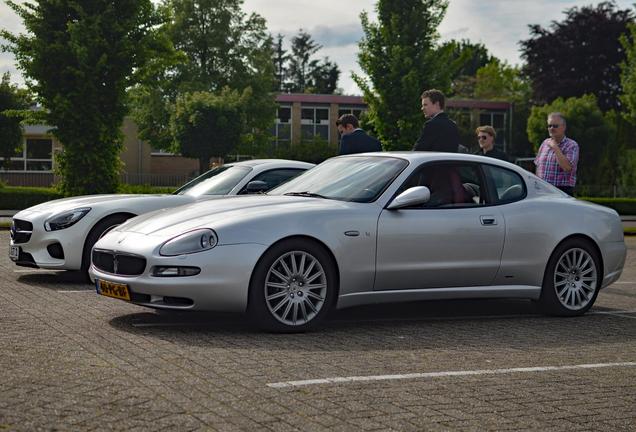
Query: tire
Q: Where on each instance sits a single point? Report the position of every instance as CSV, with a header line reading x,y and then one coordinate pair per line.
x,y
292,287
572,279
101,228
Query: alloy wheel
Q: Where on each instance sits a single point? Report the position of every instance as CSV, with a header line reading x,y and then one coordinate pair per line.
x,y
575,279
295,288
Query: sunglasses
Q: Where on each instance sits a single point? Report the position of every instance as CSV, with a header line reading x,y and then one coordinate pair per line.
x,y
553,126
482,137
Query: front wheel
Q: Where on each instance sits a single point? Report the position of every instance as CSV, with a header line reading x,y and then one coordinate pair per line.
x,y
572,279
292,287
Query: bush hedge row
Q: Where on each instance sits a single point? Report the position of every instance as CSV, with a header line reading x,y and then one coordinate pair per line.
x,y
18,197
624,206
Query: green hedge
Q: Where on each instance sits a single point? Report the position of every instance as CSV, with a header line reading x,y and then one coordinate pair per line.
x,y
624,206
19,197
145,189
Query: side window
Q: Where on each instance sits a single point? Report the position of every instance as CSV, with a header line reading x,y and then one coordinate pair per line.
x,y
275,177
451,185
507,185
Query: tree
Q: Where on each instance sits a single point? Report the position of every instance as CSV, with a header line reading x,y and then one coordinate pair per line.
x,y
305,73
401,59
78,58
465,60
217,46
205,125
12,101
281,57
628,74
324,78
301,63
586,125
579,55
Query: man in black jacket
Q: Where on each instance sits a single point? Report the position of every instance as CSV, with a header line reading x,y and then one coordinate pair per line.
x,y
439,133
353,139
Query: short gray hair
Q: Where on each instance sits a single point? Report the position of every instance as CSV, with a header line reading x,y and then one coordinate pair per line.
x,y
559,115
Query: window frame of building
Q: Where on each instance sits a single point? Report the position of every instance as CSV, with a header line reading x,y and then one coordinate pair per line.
x,y
312,122
26,161
279,123
356,110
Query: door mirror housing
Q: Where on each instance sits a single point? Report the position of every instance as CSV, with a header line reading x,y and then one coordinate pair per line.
x,y
256,186
414,196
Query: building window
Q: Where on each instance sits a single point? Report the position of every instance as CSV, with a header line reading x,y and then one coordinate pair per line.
x,y
355,110
314,122
282,129
35,155
498,121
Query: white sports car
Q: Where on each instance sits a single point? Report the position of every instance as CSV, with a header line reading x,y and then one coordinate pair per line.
x,y
369,228
59,234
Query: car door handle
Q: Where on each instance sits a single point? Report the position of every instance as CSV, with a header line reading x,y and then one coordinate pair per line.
x,y
488,220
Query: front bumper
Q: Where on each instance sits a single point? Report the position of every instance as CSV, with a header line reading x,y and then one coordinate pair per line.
x,y
56,250
222,284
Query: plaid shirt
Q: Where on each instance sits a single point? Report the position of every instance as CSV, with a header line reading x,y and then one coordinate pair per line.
x,y
548,167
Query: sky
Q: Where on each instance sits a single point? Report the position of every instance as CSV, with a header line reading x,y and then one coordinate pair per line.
x,y
498,24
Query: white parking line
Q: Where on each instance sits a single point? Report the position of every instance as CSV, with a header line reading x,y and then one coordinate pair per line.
x,y
624,283
341,380
619,314
77,291
611,312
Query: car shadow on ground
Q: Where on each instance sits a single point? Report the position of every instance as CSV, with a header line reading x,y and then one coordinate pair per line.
x,y
439,324
56,279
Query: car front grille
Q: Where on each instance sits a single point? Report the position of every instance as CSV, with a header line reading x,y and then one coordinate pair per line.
x,y
118,263
21,231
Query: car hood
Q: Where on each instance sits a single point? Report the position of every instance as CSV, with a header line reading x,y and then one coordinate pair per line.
x,y
71,203
216,213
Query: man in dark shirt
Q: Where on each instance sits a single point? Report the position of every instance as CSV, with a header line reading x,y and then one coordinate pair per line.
x,y
486,137
439,133
353,139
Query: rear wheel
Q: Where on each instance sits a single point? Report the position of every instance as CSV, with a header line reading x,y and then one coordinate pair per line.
x,y
292,287
572,279
98,231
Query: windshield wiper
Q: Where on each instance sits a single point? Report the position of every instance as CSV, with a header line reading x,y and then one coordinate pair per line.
x,y
306,194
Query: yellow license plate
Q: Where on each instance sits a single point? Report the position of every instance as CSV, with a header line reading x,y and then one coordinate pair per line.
x,y
112,289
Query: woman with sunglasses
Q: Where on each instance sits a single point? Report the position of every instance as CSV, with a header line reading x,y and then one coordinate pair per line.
x,y
486,138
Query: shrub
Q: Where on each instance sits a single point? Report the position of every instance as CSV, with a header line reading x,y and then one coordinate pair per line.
x,y
19,197
22,197
624,206
145,189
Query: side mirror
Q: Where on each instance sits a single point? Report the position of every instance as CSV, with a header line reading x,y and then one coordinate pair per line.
x,y
416,195
256,186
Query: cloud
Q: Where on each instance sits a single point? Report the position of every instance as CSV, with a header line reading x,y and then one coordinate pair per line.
x,y
337,36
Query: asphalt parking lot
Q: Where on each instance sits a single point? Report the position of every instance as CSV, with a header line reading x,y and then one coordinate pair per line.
x,y
73,360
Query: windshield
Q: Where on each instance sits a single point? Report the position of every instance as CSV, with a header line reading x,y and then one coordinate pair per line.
x,y
217,181
354,178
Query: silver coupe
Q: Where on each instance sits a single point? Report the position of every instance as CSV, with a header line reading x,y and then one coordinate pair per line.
x,y
368,228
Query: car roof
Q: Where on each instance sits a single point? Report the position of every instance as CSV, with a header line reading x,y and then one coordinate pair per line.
x,y
275,162
426,156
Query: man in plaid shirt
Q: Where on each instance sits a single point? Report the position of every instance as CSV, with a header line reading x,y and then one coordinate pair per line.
x,y
558,156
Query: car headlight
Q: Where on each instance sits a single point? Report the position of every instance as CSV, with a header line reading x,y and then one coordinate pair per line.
x,y
66,219
190,242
